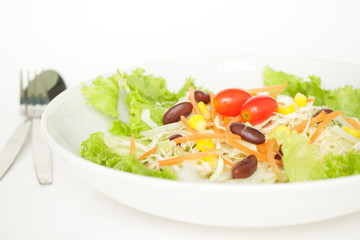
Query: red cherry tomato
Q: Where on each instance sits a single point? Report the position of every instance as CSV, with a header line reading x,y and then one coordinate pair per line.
x,y
258,108
228,102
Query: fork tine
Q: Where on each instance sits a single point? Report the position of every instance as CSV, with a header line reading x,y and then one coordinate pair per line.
x,y
23,100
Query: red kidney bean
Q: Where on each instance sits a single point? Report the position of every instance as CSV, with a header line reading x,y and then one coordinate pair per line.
x,y
175,136
173,114
279,154
201,96
327,111
247,133
245,168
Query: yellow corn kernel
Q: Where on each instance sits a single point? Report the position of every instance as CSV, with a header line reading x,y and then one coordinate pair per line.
x,y
282,129
197,122
352,131
205,145
204,110
300,100
287,109
212,160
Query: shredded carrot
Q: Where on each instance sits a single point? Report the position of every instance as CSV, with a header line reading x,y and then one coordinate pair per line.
x,y
210,124
280,89
132,144
261,148
227,162
322,125
310,100
186,124
245,149
212,106
314,120
198,136
235,119
353,122
193,101
264,89
148,153
192,156
270,156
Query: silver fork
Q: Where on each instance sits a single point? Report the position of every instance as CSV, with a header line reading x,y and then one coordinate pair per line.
x,y
37,101
33,100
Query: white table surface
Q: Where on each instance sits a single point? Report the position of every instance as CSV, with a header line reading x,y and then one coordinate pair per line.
x,y
82,39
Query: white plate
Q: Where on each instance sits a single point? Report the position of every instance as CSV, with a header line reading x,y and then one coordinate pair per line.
x,y
68,121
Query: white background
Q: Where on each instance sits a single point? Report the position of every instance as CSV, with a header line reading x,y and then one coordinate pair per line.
x,y
83,39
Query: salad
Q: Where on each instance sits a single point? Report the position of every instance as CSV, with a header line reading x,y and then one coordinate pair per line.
x,y
290,130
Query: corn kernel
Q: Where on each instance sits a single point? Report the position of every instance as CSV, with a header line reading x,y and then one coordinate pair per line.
x,y
300,100
212,160
205,145
204,110
352,131
282,129
197,122
287,109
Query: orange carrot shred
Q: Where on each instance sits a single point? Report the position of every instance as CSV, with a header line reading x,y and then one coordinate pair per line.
x,y
270,156
264,89
235,119
212,106
245,149
191,156
132,144
193,101
186,124
310,100
280,89
261,148
148,153
353,122
322,125
198,136
227,162
314,120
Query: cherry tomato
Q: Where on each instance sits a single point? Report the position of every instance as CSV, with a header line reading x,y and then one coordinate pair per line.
x,y
258,108
228,102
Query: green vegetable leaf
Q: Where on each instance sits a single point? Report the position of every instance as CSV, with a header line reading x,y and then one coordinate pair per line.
x,y
339,99
94,149
302,164
299,156
103,94
119,127
148,92
333,166
130,163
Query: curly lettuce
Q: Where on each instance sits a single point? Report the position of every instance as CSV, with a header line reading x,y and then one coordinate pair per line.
x,y
94,149
301,161
339,99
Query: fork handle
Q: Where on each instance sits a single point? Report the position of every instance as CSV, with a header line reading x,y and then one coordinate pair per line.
x,y
41,154
13,146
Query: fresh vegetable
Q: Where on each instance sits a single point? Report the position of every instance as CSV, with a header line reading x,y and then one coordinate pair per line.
x,y
338,99
229,101
256,134
302,164
258,108
94,149
103,94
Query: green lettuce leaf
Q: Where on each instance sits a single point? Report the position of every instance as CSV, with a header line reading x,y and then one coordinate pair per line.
x,y
333,166
94,149
148,92
301,163
119,127
299,157
339,99
103,94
